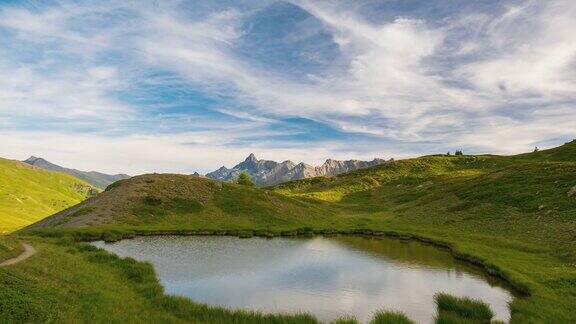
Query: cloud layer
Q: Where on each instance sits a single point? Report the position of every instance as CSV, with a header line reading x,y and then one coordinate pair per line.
x,y
179,85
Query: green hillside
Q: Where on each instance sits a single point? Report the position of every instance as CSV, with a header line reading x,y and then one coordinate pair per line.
x,y
566,152
515,215
523,200
171,201
28,194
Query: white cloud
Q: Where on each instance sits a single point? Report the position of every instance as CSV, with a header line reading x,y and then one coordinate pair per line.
x,y
407,80
48,71
104,73
184,153
67,94
532,51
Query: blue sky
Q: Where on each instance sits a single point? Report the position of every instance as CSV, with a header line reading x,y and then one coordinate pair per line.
x,y
182,86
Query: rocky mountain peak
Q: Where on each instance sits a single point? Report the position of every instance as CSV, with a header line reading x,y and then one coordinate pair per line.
x,y
331,162
288,164
251,158
265,172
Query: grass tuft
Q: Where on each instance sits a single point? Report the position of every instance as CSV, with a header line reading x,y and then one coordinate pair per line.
x,y
451,318
464,307
390,317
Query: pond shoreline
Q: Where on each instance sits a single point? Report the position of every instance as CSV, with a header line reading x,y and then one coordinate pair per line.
x,y
519,288
329,277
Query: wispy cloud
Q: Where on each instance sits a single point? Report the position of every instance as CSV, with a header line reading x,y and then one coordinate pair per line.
x,y
182,153
487,78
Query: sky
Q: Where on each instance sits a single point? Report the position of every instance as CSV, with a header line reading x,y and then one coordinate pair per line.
x,y
183,86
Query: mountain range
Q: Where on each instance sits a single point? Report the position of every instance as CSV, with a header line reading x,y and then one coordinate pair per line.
x,y
97,179
265,173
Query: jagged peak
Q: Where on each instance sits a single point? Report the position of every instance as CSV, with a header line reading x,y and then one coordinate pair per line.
x,y
302,164
251,158
267,172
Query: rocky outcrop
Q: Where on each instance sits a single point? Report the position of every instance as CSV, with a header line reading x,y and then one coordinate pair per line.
x,y
264,172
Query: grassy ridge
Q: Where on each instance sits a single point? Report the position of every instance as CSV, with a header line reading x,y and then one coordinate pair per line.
x,y
527,201
185,202
28,194
513,213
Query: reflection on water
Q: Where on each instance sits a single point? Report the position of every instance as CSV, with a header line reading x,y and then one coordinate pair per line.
x,y
328,277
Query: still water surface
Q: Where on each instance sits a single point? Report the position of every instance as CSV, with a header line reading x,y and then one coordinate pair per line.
x,y
328,277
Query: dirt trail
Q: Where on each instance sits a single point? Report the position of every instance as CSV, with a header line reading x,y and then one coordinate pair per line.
x,y
29,251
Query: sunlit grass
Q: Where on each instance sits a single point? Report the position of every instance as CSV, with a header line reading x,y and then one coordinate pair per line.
x,y
464,307
28,194
509,215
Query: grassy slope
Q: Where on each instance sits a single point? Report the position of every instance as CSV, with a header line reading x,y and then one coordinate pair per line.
x,y
513,212
28,194
9,248
169,201
523,203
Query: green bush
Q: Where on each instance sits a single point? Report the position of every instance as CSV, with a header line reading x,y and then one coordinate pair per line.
x,y
244,179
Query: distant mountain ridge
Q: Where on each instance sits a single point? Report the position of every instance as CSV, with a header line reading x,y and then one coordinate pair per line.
x,y
264,172
97,179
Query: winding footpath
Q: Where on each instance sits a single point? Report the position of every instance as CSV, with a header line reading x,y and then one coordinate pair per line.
x,y
29,251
